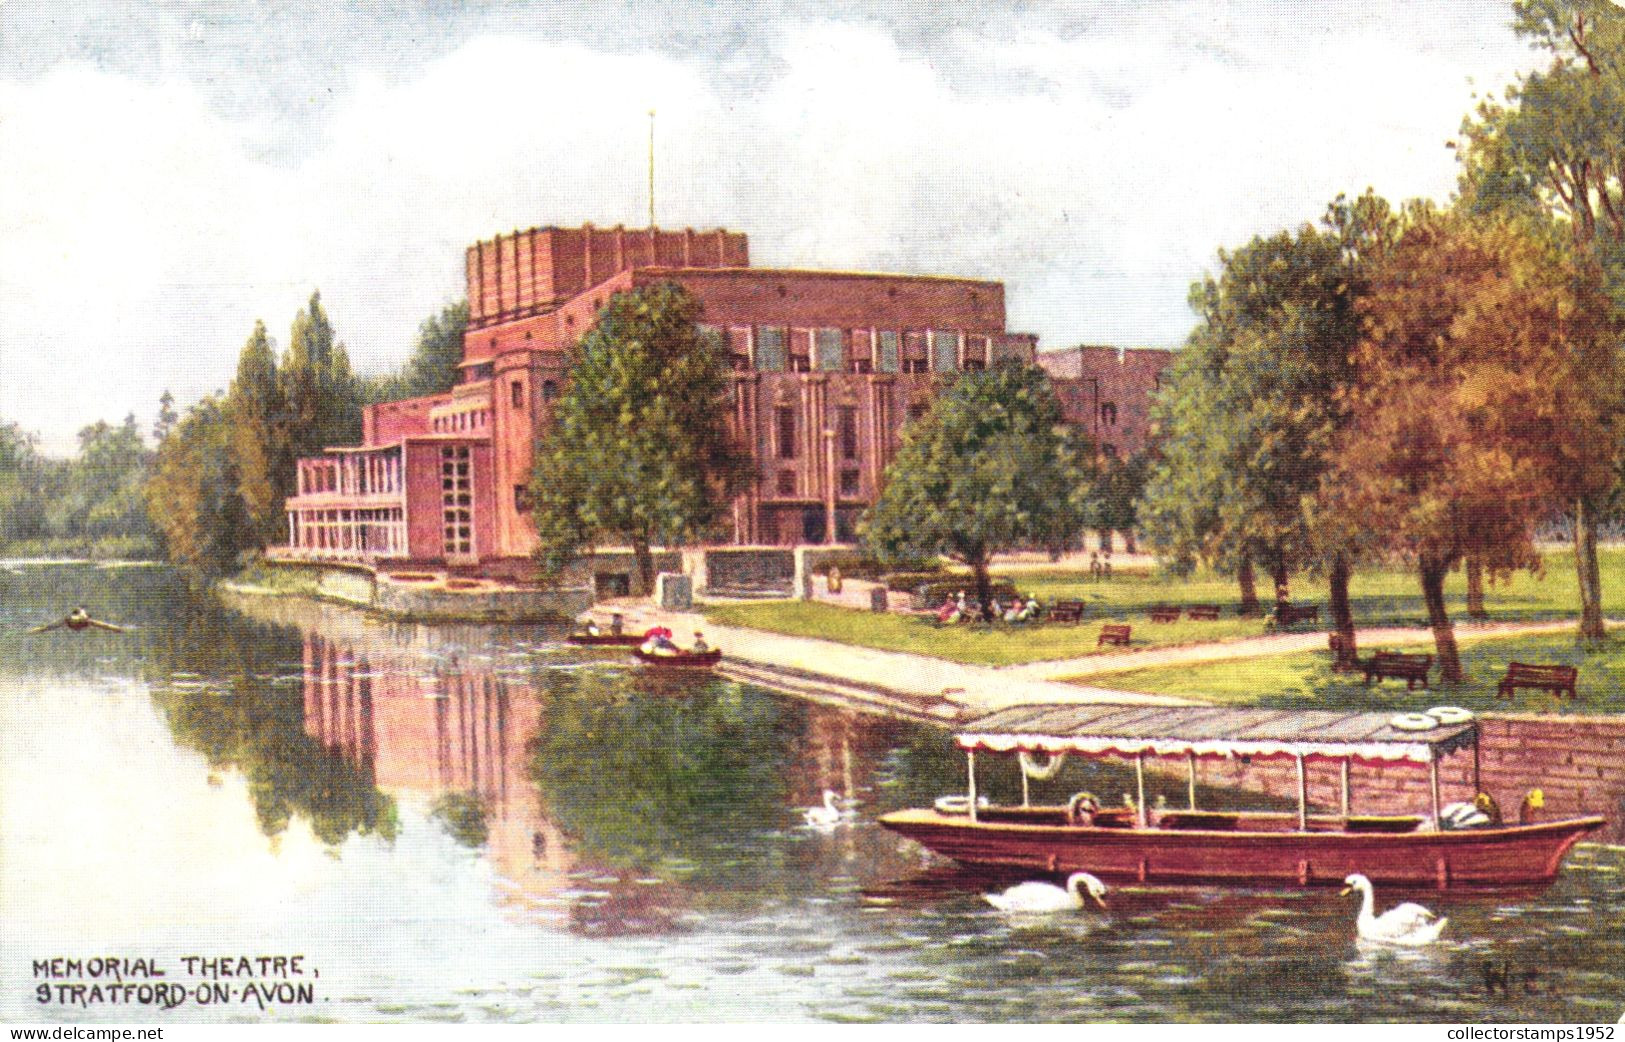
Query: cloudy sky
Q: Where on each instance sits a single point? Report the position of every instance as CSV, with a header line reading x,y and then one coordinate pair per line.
x,y
172,171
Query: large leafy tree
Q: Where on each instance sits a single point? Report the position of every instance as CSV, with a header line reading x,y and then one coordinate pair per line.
x,y
193,495
639,448
1253,405
990,467
1556,145
260,436
1471,403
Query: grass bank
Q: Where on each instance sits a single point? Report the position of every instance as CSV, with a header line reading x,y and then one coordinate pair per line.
x,y
1306,679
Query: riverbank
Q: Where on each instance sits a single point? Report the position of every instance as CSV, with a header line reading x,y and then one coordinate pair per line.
x,y
412,595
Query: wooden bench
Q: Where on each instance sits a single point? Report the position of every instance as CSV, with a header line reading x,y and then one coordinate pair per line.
x,y
1164,613
1114,633
1292,614
1413,669
1202,613
1066,611
1559,680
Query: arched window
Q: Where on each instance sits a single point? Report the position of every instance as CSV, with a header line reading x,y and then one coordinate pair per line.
x,y
1108,413
550,390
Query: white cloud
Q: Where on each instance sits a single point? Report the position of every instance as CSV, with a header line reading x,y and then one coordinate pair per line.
x,y
143,233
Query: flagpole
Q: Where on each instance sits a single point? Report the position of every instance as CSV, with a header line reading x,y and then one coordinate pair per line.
x,y
651,168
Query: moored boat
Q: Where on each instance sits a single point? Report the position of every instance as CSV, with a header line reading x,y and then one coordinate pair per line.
x,y
1246,848
609,640
703,659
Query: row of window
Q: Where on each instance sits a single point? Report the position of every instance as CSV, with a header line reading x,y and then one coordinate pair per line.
x,y
471,420
846,431
775,349
850,483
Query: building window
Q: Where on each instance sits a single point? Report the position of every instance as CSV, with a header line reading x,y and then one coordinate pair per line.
x,y
787,482
521,501
517,390
849,482
888,351
916,365
916,410
829,349
1108,413
550,390
476,373
786,417
944,350
847,430
769,349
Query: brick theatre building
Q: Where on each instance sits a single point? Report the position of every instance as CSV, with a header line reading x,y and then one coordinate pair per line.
x,y
827,368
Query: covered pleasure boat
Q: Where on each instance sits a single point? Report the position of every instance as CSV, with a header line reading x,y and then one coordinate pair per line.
x,y
1246,848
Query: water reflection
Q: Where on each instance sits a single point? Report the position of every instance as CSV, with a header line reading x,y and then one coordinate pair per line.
x,y
463,823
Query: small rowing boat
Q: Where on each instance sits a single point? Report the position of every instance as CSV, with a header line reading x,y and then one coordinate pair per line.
x,y
701,660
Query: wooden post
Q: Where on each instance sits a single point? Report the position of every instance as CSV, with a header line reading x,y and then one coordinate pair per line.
x,y
1190,762
1024,795
1303,797
1346,786
1433,764
970,778
1478,785
1139,783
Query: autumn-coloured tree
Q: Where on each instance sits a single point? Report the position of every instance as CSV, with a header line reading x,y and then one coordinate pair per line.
x,y
1470,415
1556,146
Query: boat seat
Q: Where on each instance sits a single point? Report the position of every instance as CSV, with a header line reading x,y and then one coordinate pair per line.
x,y
1198,819
1382,823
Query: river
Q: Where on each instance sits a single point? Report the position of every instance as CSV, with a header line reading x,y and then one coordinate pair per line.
x,y
485,824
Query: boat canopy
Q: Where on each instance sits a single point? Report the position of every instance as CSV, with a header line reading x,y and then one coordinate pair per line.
x,y
1206,731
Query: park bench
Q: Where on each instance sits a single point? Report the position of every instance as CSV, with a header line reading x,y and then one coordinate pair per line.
x,y
1413,669
1114,633
1164,613
1292,614
1559,680
1202,613
1066,611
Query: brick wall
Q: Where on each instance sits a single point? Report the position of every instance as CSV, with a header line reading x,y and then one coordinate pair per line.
x,y
1578,762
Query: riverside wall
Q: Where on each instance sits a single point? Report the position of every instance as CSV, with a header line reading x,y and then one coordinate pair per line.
x,y
1578,763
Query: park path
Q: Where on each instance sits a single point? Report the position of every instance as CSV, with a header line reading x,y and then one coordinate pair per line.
x,y
1268,644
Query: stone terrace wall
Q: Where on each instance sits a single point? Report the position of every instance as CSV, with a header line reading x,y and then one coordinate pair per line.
x,y
1578,762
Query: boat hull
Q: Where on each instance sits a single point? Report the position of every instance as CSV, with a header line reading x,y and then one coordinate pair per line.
x,y
604,640
1509,856
686,659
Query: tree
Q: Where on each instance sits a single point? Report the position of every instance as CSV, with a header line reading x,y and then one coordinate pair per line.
x,y
1253,404
1557,145
193,495
1115,494
1471,404
260,437
989,468
323,396
434,365
24,480
639,448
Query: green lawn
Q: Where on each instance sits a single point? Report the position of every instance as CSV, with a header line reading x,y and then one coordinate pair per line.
x,y
997,645
1306,680
1380,598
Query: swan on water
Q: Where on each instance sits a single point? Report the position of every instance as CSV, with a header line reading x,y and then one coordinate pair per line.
x,y
827,815
1047,897
1407,924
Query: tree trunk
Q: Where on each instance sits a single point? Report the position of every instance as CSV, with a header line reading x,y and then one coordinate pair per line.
x,y
984,585
1283,590
1128,541
1347,656
1444,634
1105,537
1589,572
1475,589
646,565
1249,591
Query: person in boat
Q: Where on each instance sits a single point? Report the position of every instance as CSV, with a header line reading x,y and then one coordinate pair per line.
x,y
592,627
1081,809
658,642
616,624
76,620
700,646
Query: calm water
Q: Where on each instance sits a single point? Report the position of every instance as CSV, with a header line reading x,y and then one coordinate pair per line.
x,y
465,824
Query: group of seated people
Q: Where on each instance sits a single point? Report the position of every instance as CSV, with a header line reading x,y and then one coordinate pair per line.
x,y
957,609
616,624
657,641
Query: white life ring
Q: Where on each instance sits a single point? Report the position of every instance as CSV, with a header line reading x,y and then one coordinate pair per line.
x,y
1450,714
1413,722
958,804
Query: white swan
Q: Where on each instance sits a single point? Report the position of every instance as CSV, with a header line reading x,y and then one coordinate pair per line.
x,y
1047,897
1406,924
827,815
